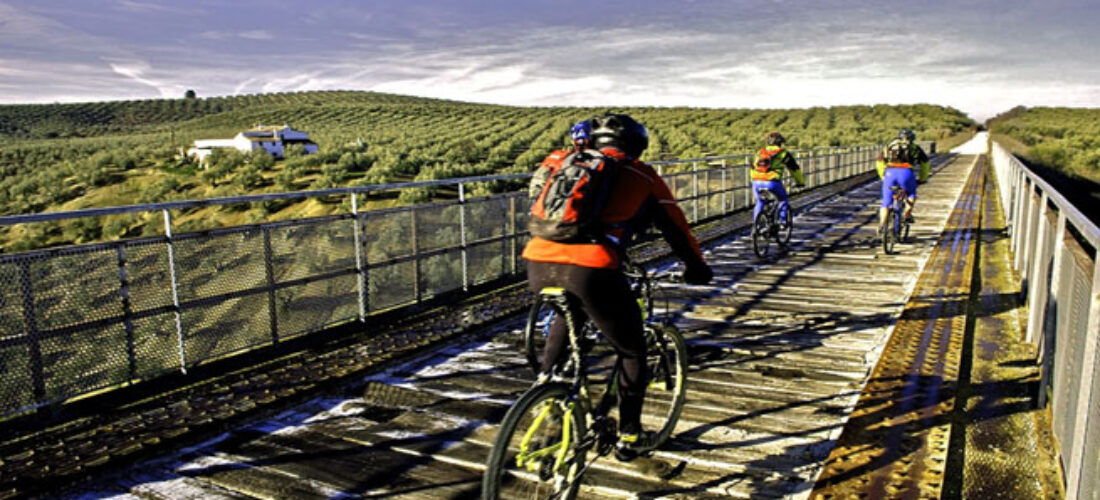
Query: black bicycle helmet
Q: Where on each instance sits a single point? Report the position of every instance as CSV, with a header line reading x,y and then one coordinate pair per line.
x,y
774,139
907,135
621,132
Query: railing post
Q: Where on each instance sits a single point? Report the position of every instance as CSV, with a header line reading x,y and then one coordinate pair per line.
x,y
1022,225
1019,225
807,164
748,181
127,311
707,192
1045,365
1034,212
504,238
30,320
269,275
725,197
1013,176
515,233
462,237
838,172
175,289
415,243
360,270
850,160
1038,284
694,192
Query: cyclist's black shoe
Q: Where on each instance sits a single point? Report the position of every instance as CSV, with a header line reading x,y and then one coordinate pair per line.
x,y
631,446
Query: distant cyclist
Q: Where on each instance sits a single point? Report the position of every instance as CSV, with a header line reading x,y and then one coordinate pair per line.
x,y
588,267
767,173
895,167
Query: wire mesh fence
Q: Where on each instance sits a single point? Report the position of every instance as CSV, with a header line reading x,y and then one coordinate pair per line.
x,y
84,318
1054,248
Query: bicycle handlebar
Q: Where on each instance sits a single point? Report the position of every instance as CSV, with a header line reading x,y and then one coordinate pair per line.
x,y
636,273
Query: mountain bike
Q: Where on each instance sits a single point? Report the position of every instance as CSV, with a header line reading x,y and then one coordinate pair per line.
x,y
896,228
766,227
545,438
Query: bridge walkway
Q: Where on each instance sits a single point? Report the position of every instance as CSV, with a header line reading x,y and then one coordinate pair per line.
x,y
780,353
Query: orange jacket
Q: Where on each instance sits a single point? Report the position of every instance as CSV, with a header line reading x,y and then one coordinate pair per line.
x,y
638,197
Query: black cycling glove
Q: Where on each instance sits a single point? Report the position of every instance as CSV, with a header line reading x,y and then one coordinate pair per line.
x,y
698,274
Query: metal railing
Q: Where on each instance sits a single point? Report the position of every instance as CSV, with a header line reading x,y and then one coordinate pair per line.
x,y
1054,247
84,318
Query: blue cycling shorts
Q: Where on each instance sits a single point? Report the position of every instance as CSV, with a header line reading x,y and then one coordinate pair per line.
x,y
903,177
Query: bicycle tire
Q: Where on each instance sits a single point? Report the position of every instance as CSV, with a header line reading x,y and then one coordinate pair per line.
x,y
533,339
502,457
896,224
667,359
760,236
783,236
888,233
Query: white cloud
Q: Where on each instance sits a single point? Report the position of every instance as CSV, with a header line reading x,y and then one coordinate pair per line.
x,y
224,35
146,7
138,72
256,35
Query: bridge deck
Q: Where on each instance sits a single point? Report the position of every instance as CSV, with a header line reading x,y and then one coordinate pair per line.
x,y
780,353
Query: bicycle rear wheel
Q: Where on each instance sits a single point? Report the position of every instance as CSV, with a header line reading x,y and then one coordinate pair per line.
x,y
889,233
784,234
760,235
667,360
536,452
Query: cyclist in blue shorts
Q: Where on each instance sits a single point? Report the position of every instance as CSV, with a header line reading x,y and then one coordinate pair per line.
x,y
895,167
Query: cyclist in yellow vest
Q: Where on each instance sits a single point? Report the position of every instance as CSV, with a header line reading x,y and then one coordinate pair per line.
x,y
767,172
895,168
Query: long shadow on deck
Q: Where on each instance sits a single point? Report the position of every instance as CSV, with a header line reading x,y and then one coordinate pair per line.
x,y
877,426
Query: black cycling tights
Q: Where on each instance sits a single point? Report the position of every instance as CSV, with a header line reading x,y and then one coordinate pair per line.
x,y
605,297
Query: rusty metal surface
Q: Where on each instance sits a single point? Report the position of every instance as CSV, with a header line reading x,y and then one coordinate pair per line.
x,y
780,350
1008,450
896,443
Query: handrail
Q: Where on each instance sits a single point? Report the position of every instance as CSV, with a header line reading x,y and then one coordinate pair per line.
x,y
9,220
1088,229
1062,286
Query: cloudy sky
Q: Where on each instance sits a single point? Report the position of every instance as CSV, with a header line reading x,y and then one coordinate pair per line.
x,y
981,56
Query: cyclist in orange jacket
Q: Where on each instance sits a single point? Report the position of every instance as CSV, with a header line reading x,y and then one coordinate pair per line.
x,y
590,270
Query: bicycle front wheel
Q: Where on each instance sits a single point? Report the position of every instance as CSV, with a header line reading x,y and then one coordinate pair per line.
x,y
667,359
760,236
536,453
534,333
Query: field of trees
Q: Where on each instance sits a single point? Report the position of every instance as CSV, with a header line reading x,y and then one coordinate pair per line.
x,y
1063,139
70,156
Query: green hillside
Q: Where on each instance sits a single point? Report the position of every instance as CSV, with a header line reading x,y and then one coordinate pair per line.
x,y
1063,139
68,156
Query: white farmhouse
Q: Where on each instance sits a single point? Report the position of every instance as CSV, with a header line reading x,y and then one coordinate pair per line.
x,y
271,138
